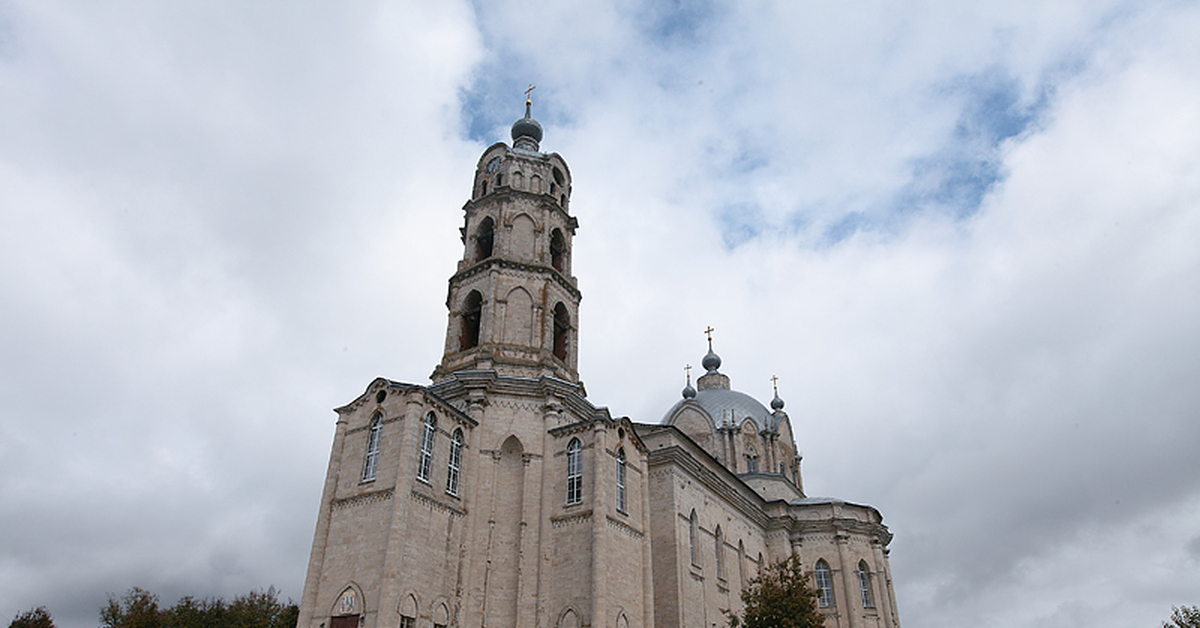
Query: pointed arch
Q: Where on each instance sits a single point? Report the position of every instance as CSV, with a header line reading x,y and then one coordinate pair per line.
x,y
371,460
485,239
562,331
621,480
440,615
568,619
429,432
574,472
408,611
454,463
472,313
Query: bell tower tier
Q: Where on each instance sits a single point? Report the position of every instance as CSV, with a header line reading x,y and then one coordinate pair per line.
x,y
513,302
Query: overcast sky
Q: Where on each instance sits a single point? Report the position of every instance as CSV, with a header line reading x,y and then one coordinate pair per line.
x,y
965,236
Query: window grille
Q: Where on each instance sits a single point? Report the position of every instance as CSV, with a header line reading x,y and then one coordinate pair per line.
x,y
426,462
574,472
824,584
371,462
621,480
455,464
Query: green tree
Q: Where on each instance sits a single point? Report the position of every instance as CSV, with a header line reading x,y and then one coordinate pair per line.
x,y
35,618
136,609
1183,617
779,597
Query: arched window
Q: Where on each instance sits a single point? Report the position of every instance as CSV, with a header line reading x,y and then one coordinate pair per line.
x,y
562,326
692,529
621,480
720,550
741,564
471,313
372,459
558,250
485,237
574,472
824,584
426,463
455,464
864,585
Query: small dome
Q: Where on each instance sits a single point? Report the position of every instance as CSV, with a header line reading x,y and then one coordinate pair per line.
x,y
689,392
527,127
777,403
711,361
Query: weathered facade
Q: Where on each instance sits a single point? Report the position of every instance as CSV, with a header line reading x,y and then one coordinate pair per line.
x,y
499,496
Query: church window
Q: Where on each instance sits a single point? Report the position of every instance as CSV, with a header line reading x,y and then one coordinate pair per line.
x,y
485,238
574,472
824,584
864,585
455,464
407,622
562,325
558,175
471,314
372,459
692,547
741,558
499,180
621,480
751,464
720,549
558,251
426,462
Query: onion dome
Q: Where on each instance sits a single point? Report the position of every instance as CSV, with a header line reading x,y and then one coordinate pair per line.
x,y
711,361
777,403
688,391
526,132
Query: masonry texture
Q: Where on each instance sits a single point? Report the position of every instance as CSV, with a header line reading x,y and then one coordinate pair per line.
x,y
498,495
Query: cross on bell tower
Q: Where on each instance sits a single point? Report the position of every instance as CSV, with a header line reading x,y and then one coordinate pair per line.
x,y
514,304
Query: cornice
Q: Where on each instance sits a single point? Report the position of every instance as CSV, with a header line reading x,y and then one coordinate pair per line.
x,y
725,487
365,498
512,265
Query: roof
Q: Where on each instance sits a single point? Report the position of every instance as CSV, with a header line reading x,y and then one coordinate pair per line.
x,y
723,404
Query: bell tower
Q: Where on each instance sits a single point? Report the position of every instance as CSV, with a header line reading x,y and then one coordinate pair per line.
x,y
513,302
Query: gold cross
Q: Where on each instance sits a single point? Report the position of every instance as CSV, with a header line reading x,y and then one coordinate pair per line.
x,y
688,368
775,383
708,332
529,92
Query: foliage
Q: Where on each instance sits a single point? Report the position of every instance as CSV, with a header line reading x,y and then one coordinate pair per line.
x,y
779,597
258,609
36,618
1184,617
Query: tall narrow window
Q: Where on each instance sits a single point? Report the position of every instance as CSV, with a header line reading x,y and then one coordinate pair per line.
x,y
824,584
471,312
864,585
373,436
621,480
558,250
574,472
695,551
720,548
455,465
485,237
751,464
562,325
426,463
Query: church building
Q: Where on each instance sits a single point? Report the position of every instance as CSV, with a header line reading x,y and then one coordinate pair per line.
x,y
499,496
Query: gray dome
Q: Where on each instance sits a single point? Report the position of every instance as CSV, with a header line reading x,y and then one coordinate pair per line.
x,y
689,392
711,361
777,402
527,126
720,403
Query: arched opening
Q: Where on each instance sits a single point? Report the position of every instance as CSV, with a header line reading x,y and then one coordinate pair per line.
x,y
562,327
864,585
824,579
472,308
371,462
574,472
719,543
454,465
425,464
692,529
485,237
558,250
620,480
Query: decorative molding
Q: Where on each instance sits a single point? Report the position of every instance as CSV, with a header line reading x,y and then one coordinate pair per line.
x,y
365,498
434,504
572,519
624,527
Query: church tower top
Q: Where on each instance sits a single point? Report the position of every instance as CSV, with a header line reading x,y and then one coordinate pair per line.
x,y
527,132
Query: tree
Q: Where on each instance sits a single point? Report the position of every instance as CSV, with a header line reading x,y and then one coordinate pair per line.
x,y
137,609
36,618
1183,617
779,597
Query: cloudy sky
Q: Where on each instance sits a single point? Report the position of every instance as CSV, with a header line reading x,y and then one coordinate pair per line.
x,y
965,236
